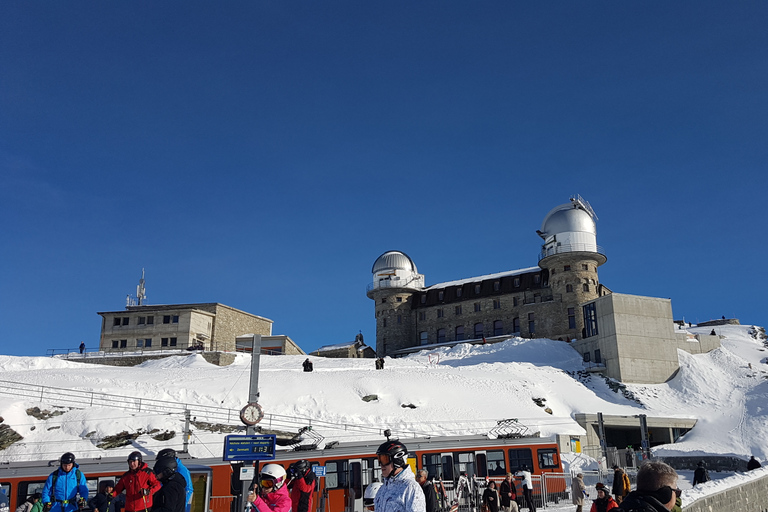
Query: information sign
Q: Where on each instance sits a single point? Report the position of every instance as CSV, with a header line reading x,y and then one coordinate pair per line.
x,y
319,470
256,447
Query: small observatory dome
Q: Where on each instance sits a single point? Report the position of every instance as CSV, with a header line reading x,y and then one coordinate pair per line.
x,y
569,227
395,269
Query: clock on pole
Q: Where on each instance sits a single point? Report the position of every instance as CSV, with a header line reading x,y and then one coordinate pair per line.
x,y
251,414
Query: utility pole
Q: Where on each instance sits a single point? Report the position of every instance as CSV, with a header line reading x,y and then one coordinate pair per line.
x,y
644,436
601,434
253,389
187,432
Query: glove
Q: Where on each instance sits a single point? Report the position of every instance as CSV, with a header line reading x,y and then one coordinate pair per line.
x,y
81,503
47,506
145,492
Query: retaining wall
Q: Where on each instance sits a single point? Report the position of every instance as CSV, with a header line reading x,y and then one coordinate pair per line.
x,y
750,496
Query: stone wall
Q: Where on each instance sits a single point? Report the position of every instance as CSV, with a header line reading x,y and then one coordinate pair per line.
x,y
231,323
217,358
748,497
722,321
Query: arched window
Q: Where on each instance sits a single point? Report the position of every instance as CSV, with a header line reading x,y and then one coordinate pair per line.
x,y
459,333
569,288
441,335
423,338
478,331
516,325
498,328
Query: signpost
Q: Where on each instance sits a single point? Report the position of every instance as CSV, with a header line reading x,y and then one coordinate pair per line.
x,y
245,448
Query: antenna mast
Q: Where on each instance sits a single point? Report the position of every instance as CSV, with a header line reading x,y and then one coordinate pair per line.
x,y
140,292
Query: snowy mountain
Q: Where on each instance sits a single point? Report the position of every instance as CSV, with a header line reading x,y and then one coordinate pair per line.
x,y
464,389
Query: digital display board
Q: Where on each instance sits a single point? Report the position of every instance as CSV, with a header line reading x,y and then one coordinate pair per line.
x,y
256,447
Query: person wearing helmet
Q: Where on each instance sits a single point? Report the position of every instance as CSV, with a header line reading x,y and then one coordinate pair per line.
x,y
139,484
400,492
172,495
63,485
369,496
268,491
302,485
183,471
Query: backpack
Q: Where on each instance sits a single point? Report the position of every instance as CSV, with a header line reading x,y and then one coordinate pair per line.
x,y
55,475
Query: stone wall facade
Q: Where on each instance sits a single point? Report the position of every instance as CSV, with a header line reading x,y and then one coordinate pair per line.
x,y
748,497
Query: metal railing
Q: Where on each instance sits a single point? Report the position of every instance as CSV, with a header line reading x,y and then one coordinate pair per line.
x,y
70,353
565,248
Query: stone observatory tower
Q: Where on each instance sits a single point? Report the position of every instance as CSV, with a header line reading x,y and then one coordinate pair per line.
x,y
395,279
570,255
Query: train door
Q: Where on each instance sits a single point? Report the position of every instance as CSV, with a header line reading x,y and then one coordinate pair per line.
x,y
336,484
355,487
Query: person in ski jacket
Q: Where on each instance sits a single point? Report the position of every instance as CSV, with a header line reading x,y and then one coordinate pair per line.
x,y
430,495
753,463
268,491
307,365
491,497
63,485
100,502
603,502
525,475
621,484
29,503
701,474
172,495
301,484
183,471
508,494
139,484
656,489
400,492
578,491
462,486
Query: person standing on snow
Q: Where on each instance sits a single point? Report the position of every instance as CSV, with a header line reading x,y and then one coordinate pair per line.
x,y
621,484
268,491
63,485
139,484
302,484
525,475
701,474
578,491
491,497
604,502
430,495
183,471
400,491
753,463
307,365
508,494
172,496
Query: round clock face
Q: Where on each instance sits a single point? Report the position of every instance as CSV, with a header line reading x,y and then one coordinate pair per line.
x,y
251,414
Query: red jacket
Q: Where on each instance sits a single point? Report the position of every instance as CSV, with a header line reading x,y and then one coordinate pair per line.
x,y
301,492
134,482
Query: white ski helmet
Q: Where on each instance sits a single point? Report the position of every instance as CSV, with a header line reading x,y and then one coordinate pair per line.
x,y
274,473
370,494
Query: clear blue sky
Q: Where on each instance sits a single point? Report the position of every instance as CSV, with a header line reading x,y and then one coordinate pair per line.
x,y
262,154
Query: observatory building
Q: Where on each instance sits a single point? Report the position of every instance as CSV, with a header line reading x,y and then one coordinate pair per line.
x,y
561,299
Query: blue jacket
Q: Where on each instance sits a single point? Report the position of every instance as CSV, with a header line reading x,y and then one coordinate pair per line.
x,y
63,496
183,471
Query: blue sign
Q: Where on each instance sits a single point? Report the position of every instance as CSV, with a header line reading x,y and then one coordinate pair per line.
x,y
319,470
256,447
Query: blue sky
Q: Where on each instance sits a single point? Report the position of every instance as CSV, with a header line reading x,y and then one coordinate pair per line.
x,y
263,154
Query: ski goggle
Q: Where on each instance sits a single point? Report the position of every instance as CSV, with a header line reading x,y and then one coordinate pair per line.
x,y
267,483
384,459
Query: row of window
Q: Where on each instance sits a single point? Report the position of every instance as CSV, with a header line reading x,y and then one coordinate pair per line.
x,y
144,320
144,342
598,357
496,288
567,268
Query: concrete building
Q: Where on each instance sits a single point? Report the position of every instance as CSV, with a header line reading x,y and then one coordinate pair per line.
x,y
279,345
562,299
212,326
348,350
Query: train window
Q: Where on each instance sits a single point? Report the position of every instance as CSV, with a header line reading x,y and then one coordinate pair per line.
x,y
464,462
355,480
496,464
370,470
480,460
548,458
6,487
447,467
519,457
336,474
28,488
433,464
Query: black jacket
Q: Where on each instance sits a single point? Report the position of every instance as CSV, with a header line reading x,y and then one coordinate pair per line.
x,y
752,464
701,475
429,496
637,502
172,496
100,502
504,489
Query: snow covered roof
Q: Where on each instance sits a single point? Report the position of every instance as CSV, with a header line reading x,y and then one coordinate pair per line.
x,y
484,278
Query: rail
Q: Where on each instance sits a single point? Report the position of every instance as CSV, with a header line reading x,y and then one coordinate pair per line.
x,y
74,353
565,248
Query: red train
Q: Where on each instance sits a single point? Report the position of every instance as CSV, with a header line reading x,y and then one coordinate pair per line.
x,y
348,468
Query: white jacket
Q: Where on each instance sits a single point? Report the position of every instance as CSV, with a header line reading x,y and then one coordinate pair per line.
x,y
400,493
526,476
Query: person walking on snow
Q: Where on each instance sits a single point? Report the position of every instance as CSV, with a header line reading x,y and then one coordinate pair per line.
x,y
63,485
139,484
701,474
525,475
508,494
621,484
578,491
400,492
269,493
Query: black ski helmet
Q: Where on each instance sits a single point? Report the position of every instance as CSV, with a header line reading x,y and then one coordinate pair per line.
x,y
135,456
298,468
166,452
397,452
67,458
165,467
